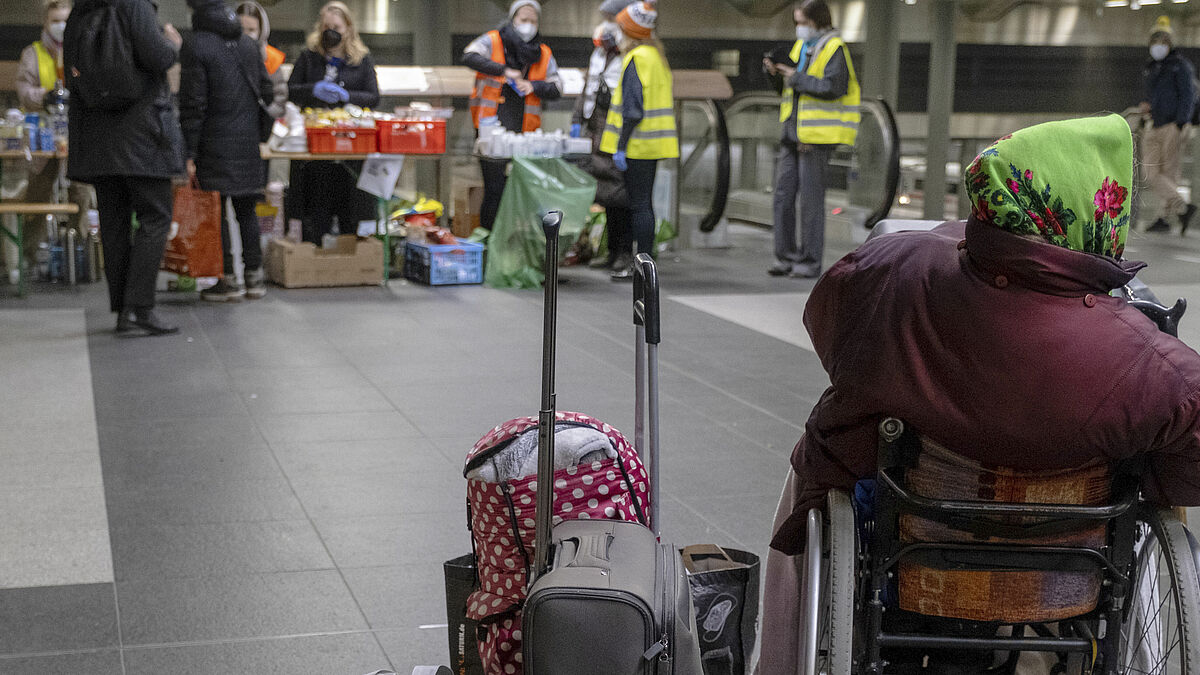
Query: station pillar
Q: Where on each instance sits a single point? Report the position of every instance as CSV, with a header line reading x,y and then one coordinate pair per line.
x,y
939,107
881,72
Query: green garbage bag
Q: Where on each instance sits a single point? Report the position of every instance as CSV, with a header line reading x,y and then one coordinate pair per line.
x,y
517,245
664,232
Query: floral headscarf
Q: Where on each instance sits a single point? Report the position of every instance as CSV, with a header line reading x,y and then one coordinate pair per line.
x,y
1066,181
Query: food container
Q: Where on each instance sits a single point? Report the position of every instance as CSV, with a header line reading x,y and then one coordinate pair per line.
x,y
412,137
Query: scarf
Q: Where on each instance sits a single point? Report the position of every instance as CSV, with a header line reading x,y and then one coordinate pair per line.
x,y
1067,182
518,53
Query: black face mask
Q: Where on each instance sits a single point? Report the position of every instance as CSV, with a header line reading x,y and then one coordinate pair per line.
x,y
330,39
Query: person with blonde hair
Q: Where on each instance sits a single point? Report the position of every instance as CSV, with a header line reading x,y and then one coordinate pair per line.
x,y
334,70
38,74
641,126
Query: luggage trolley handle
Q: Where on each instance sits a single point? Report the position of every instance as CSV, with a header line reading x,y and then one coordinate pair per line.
x,y
551,222
647,320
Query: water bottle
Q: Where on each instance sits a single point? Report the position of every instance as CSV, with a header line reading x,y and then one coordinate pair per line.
x,y
42,261
56,112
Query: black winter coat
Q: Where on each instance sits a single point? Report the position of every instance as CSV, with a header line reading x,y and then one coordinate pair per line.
x,y
143,139
221,87
359,81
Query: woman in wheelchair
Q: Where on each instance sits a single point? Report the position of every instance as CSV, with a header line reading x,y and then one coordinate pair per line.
x,y
1025,429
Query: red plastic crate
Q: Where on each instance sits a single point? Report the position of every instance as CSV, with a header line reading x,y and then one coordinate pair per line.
x,y
412,137
341,141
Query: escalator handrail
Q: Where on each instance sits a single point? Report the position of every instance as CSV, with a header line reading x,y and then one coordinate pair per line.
x,y
879,108
716,121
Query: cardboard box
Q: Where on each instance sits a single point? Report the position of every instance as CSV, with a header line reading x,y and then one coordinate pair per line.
x,y
468,202
354,262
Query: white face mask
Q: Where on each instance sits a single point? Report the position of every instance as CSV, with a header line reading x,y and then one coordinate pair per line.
x,y
1159,52
56,30
526,30
805,32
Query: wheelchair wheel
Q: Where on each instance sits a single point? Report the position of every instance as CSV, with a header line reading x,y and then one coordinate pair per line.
x,y
1161,631
839,553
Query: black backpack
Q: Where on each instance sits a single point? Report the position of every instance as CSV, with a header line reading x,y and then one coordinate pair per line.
x,y
101,69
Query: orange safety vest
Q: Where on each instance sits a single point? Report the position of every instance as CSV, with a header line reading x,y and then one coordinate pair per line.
x,y
489,89
274,59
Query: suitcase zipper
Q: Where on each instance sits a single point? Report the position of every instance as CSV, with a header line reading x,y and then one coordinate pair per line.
x,y
662,648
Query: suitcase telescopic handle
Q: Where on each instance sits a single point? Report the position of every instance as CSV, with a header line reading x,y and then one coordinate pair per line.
x,y
645,297
551,222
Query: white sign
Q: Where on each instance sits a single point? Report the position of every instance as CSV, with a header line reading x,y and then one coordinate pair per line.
x,y
380,173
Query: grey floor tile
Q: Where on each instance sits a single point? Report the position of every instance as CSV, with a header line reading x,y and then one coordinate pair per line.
x,y
57,618
233,607
342,653
347,654
314,397
343,495
741,477
412,539
93,663
202,501
416,647
139,406
157,551
394,456
349,426
749,519
400,597
187,433
249,380
137,464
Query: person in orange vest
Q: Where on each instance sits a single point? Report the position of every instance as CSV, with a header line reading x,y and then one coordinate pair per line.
x,y
515,72
256,25
38,73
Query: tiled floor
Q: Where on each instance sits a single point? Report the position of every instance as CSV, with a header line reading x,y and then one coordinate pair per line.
x,y
282,481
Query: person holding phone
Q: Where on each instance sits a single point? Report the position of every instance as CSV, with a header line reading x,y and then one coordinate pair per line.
x,y
819,112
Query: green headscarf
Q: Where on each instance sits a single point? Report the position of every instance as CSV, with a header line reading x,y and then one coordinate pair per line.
x,y
1066,181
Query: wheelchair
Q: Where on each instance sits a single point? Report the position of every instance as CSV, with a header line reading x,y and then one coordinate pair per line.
x,y
1106,588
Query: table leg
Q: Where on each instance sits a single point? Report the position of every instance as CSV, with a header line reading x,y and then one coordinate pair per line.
x,y
21,262
381,219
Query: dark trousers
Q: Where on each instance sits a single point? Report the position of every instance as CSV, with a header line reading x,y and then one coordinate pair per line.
x,y
132,257
639,184
329,189
620,231
804,174
247,219
495,177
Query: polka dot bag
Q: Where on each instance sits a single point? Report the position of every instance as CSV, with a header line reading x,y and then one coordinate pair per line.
x,y
502,526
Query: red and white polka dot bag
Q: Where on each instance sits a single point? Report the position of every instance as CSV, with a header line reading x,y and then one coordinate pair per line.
x,y
502,526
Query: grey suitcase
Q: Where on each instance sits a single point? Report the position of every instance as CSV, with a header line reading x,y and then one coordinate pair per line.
x,y
607,598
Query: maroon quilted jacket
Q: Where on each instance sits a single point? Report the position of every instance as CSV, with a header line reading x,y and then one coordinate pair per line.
x,y
1001,348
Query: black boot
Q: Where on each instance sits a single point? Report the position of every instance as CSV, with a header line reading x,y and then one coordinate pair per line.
x,y
1185,218
148,321
125,323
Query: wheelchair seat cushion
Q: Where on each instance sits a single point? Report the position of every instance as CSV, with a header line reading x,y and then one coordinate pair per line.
x,y
992,594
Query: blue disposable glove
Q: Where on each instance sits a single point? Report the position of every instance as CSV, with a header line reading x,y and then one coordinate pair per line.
x,y
620,161
329,92
576,130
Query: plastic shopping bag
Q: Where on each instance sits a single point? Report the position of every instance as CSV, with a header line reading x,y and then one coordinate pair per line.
x,y
195,249
724,585
517,245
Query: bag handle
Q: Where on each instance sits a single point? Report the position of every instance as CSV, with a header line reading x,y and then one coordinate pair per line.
x,y
647,321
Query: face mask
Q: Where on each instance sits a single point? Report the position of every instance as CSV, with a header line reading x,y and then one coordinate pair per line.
x,y
526,30
56,30
1159,52
805,33
330,39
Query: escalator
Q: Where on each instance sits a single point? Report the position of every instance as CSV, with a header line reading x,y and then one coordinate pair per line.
x,y
728,159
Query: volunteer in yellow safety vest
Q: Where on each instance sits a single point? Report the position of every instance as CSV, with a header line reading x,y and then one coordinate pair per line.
x,y
641,126
38,72
514,72
819,112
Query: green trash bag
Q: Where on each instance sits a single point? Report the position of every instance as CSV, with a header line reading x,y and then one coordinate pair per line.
x,y
516,247
664,232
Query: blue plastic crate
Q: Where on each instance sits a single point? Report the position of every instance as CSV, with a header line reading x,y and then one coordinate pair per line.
x,y
442,265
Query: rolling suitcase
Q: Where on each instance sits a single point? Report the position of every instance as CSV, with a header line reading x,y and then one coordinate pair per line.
x,y
607,598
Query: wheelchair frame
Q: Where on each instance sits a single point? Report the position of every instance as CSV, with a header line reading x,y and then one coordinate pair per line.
x,y
1093,637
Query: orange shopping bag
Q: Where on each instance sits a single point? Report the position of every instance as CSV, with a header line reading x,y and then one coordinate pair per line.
x,y
195,250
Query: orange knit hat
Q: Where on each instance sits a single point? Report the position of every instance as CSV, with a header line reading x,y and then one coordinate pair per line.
x,y
638,20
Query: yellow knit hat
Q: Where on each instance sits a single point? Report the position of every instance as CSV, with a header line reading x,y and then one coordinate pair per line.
x,y
1162,26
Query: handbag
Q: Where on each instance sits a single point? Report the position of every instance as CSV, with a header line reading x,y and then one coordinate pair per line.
x,y
195,250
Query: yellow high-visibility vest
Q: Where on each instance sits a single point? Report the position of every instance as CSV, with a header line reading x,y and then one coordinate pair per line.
x,y
47,68
655,136
821,121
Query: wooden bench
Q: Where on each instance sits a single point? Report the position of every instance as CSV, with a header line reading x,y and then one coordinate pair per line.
x,y
20,210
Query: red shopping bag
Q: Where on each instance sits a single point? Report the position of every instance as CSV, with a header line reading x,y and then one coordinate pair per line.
x,y
195,250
